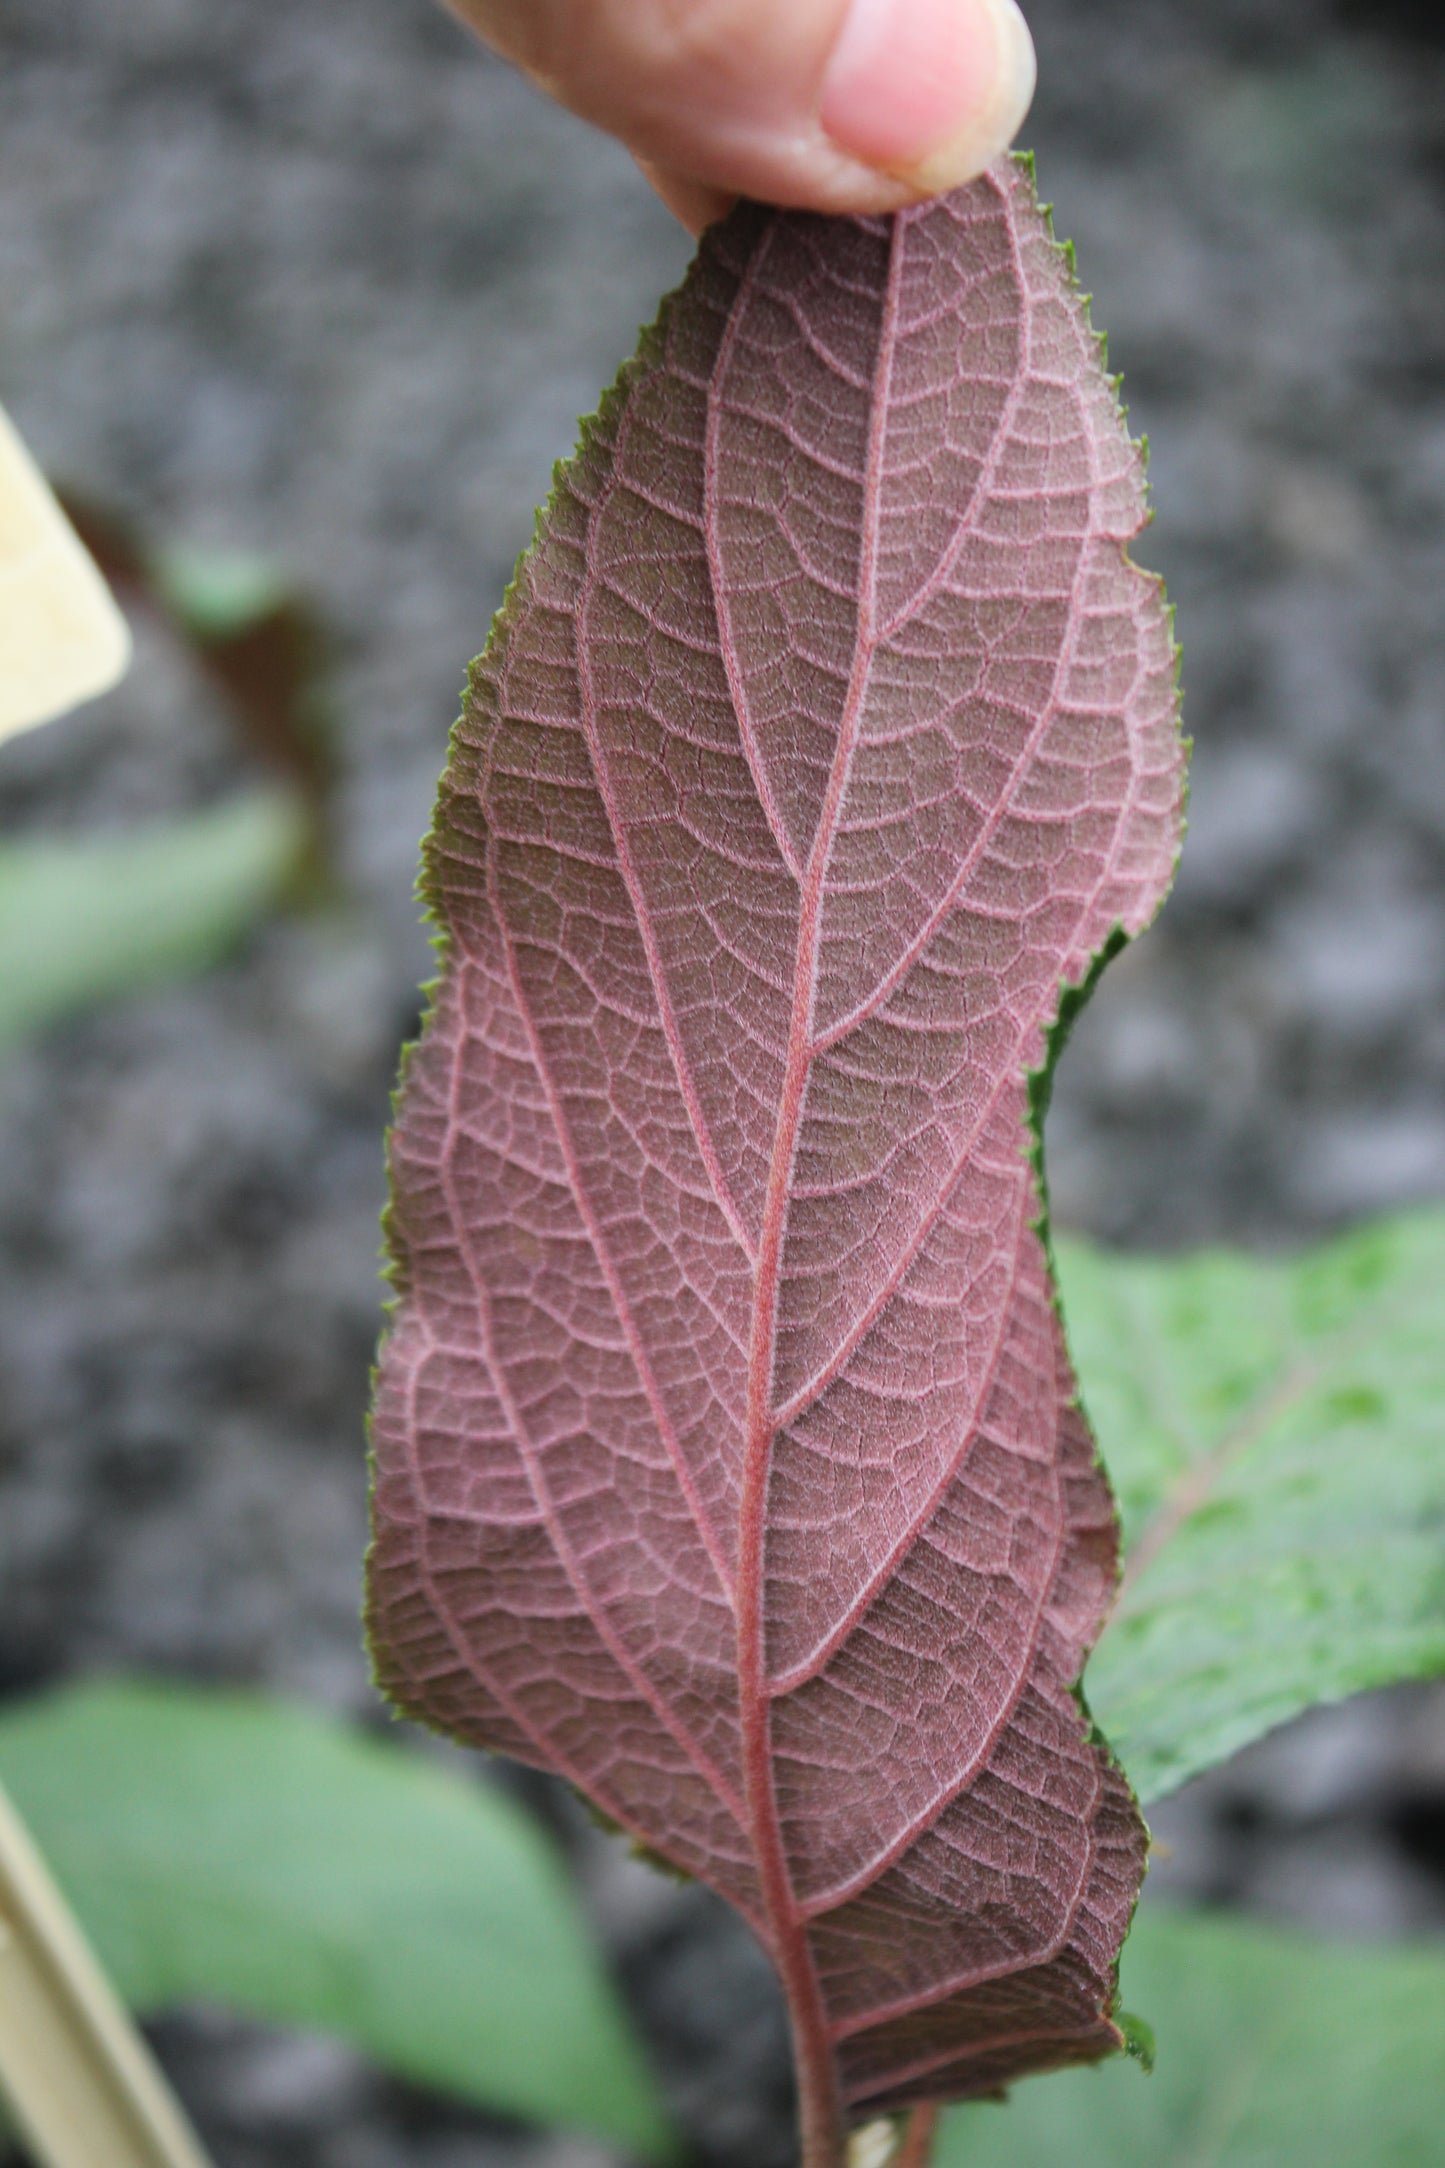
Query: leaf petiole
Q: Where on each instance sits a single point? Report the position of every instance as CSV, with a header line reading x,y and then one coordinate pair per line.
x,y
919,2133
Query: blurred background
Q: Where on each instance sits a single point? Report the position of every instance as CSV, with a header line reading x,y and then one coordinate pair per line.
x,y
306,300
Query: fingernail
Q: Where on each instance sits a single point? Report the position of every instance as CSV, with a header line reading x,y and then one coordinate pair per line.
x,y
929,91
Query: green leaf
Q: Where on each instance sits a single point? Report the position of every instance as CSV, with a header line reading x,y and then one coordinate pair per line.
x,y
83,919
224,1846
1275,1431
1273,2049
218,593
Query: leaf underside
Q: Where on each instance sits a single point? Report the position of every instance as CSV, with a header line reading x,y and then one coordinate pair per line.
x,y
726,1453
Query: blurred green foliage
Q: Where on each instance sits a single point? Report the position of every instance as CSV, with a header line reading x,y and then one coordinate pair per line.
x,y
1273,2051
227,1847
89,919
84,920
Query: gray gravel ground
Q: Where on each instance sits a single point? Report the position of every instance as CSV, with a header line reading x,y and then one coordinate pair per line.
x,y
321,282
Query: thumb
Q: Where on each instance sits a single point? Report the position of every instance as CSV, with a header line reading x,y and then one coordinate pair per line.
x,y
834,105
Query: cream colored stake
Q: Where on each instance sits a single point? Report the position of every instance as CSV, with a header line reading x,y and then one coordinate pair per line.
x,y
874,2144
76,2075
62,639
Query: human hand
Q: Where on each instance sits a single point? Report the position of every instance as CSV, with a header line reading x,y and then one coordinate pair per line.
x,y
833,105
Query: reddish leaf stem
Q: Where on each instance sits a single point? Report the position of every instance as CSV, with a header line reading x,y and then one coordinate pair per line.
x,y
916,2150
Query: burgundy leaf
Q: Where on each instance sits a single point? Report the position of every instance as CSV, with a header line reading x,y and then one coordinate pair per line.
x,y
727,1458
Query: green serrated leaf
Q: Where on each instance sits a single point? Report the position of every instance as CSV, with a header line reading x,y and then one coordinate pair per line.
x,y
1273,2049
83,919
1275,1431
223,1846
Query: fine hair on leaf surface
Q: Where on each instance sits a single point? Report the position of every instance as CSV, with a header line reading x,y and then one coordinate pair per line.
x,y
728,1459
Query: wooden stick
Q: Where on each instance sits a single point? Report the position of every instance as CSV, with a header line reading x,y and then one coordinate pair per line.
x,y
76,2075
